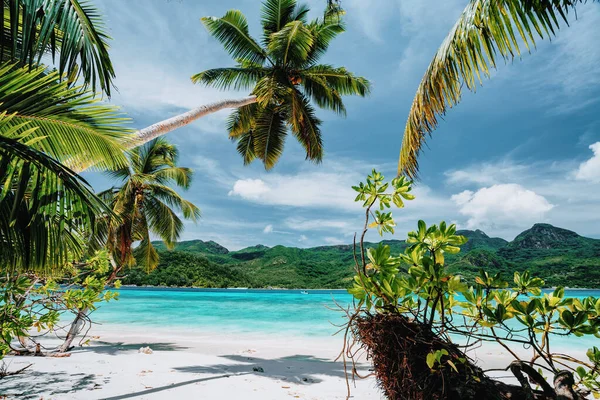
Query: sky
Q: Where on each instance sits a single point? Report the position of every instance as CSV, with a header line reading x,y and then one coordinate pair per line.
x,y
524,148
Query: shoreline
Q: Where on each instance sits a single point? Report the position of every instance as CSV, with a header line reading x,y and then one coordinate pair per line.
x,y
209,365
273,289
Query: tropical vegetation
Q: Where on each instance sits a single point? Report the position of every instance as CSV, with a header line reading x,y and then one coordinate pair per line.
x,y
417,326
559,256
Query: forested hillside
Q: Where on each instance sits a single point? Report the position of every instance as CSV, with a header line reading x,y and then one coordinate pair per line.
x,y
559,256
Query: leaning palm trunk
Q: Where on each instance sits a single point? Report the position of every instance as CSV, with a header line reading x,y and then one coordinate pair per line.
x,y
163,127
76,327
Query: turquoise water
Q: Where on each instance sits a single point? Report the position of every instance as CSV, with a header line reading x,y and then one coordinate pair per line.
x,y
232,311
282,312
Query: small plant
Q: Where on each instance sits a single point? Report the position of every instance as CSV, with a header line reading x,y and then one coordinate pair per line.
x,y
417,321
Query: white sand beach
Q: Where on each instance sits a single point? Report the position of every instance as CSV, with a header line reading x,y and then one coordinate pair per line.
x,y
183,367
203,366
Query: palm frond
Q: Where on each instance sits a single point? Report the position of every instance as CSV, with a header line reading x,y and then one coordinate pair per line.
x,y
181,176
321,93
72,126
275,14
242,120
305,126
46,210
162,221
487,30
324,31
146,255
291,44
269,136
74,29
232,31
339,79
226,78
245,146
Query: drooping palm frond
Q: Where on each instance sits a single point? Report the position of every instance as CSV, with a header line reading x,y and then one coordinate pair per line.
x,y
71,125
283,76
46,210
71,29
306,126
269,135
487,30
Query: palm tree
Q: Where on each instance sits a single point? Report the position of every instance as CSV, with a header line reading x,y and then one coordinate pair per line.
x,y
145,206
486,30
50,122
283,76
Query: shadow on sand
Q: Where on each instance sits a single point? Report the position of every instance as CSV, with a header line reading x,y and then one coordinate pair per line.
x,y
32,384
301,369
114,348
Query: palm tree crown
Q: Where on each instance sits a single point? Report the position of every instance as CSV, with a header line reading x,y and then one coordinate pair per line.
x,y
146,202
284,76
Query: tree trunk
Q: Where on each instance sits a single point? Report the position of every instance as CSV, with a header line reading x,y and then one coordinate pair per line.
x,y
76,327
163,127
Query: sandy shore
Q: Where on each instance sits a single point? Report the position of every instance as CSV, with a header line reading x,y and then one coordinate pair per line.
x,y
209,366
204,366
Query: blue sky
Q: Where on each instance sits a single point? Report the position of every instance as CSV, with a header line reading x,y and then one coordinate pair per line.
x,y
525,148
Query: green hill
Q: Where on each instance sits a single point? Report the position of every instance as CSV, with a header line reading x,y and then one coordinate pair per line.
x,y
559,256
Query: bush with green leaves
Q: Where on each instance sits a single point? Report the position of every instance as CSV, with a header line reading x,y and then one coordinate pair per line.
x,y
417,288
31,303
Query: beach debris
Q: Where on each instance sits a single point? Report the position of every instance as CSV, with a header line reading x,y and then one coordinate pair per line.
x,y
60,355
249,351
258,369
145,350
285,387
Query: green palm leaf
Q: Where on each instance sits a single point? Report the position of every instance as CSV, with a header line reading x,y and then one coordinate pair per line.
x,y
72,126
339,79
232,31
245,146
486,30
306,126
275,15
46,210
291,44
74,29
269,136
226,78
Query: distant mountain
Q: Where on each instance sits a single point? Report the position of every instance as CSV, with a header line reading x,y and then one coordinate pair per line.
x,y
195,246
479,240
559,256
546,236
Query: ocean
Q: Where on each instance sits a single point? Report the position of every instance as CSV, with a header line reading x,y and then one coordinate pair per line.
x,y
241,311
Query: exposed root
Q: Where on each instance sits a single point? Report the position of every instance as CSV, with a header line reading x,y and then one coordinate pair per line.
x,y
398,349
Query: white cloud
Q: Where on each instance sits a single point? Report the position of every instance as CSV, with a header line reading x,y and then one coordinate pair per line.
x,y
313,224
250,189
590,169
502,205
268,229
333,240
488,173
311,189
302,238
